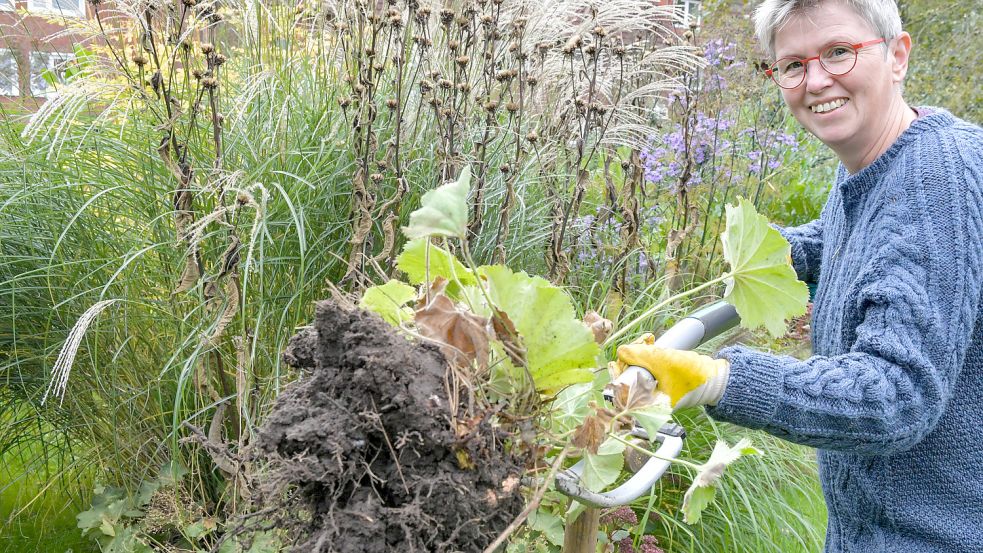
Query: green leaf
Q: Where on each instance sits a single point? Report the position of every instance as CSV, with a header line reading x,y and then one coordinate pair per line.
x,y
570,407
603,468
548,524
652,417
701,491
389,301
560,350
413,262
763,286
443,210
695,502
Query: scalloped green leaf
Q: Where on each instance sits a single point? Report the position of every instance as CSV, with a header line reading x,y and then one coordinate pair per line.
x,y
701,491
602,469
389,301
443,210
413,262
560,350
762,285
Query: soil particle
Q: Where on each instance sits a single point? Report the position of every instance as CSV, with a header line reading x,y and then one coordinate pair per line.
x,y
360,455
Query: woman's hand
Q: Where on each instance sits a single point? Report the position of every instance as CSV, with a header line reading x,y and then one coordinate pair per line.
x,y
687,377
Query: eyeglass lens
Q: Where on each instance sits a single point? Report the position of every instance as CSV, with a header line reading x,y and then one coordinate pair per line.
x,y
836,59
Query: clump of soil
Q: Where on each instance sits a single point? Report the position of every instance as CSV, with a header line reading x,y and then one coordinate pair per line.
x,y
361,455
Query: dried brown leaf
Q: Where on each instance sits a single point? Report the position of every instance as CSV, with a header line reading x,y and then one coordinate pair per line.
x,y
507,334
190,274
598,325
590,434
635,396
463,335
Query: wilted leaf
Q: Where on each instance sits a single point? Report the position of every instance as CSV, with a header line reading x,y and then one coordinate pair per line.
x,y
560,350
590,434
701,492
389,301
463,335
413,262
507,334
443,210
190,274
598,325
764,288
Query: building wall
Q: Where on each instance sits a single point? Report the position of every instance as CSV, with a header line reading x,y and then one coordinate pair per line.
x,y
27,34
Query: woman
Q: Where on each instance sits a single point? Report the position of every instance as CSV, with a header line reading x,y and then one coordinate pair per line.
x,y
893,396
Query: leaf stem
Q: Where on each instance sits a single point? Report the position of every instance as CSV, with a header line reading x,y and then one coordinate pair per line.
x,y
654,309
644,451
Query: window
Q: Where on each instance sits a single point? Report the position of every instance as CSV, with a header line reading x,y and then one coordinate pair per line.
x,y
689,10
7,6
8,73
47,71
71,8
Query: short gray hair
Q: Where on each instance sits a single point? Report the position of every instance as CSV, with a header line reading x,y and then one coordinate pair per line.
x,y
881,15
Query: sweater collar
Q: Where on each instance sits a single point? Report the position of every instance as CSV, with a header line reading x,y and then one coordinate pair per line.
x,y
854,187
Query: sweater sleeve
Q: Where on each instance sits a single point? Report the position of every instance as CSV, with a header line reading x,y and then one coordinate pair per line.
x,y
807,248
915,306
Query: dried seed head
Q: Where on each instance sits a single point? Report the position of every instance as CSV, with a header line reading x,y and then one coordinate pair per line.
x,y
599,31
505,168
189,3
512,107
382,164
378,67
619,51
453,45
391,103
532,80
503,75
360,88
446,16
376,177
688,35
520,23
486,20
435,74
220,59
513,46
245,198
445,84
572,44
369,52
209,82
463,86
590,50
426,85
207,48
463,60
491,105
532,137
446,112
693,24
344,102
197,73
142,60
435,101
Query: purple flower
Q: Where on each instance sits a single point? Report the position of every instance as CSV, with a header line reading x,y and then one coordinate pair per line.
x,y
624,515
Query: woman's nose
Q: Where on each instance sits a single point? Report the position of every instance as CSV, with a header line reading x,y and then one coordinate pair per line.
x,y
817,78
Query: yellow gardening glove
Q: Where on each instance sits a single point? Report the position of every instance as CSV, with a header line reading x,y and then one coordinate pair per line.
x,y
687,377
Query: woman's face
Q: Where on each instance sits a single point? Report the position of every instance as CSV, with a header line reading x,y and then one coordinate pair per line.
x,y
866,93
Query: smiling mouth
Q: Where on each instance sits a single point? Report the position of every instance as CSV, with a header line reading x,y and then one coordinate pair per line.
x,y
828,106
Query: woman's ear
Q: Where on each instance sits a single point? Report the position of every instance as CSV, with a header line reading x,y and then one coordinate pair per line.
x,y
900,51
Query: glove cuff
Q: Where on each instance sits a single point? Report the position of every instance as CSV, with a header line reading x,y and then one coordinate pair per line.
x,y
717,383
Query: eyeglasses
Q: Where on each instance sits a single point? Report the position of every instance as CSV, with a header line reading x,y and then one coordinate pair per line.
x,y
838,58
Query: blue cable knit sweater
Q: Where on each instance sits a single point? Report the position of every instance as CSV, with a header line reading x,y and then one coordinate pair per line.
x,y
893,395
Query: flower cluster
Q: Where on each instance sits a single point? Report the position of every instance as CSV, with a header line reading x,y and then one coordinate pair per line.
x,y
648,545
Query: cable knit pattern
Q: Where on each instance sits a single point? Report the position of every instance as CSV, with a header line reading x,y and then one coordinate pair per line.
x,y
893,395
